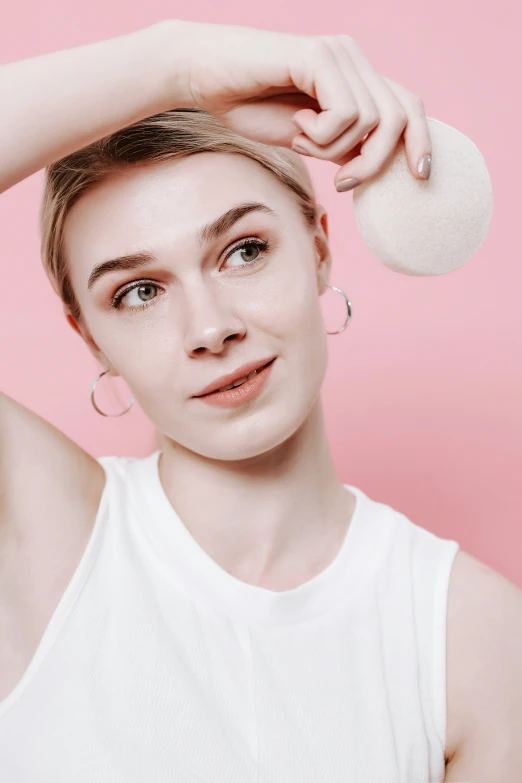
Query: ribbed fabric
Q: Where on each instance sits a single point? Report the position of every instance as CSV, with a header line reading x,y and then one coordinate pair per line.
x,y
158,666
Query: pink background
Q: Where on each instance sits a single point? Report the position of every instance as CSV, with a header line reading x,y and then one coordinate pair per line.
x,y
423,395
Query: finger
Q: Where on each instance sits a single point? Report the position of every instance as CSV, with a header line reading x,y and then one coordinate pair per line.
x,y
417,139
416,136
367,120
376,152
381,143
341,147
333,94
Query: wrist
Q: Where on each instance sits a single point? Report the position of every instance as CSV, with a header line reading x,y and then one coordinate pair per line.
x,y
172,74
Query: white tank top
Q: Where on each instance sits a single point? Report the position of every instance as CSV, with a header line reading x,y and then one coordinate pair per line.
x,y
158,666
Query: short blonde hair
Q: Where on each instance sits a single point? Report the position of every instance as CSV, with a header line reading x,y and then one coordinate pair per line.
x,y
171,134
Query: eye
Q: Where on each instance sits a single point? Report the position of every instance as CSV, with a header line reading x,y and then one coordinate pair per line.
x,y
255,246
144,293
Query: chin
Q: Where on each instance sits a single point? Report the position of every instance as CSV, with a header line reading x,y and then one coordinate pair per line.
x,y
250,436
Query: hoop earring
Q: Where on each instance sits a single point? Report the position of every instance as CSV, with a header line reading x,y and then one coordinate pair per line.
x,y
348,307
110,415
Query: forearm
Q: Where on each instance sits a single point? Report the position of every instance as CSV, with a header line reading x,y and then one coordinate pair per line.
x,y
57,103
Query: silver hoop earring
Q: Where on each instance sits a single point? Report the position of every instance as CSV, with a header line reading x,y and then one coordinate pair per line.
x,y
110,415
348,307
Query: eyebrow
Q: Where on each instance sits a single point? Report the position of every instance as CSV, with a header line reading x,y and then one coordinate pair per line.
x,y
206,234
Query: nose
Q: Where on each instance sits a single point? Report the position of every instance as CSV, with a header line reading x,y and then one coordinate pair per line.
x,y
210,320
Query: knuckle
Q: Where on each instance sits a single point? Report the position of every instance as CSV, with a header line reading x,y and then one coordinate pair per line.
x,y
351,115
314,47
346,39
369,119
321,138
418,105
323,45
400,120
343,121
353,47
335,42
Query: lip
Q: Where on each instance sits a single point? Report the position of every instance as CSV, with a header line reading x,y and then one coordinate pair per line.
x,y
225,380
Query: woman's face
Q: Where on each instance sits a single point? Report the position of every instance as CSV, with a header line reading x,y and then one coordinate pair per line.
x,y
204,306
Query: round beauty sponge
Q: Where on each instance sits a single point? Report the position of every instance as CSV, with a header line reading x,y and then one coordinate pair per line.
x,y
430,227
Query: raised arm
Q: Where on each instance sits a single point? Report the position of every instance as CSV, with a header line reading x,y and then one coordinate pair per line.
x,y
57,103
262,84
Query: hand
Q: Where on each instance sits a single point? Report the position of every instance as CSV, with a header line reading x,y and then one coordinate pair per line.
x,y
263,85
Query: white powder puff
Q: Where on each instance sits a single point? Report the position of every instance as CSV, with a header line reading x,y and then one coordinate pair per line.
x,y
431,227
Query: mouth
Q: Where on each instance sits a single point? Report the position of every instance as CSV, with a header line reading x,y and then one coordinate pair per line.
x,y
247,375
241,381
241,391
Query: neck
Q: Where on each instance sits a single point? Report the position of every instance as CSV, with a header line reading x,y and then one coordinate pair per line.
x,y
275,520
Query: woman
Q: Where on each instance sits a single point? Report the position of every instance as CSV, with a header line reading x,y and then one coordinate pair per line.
x,y
225,609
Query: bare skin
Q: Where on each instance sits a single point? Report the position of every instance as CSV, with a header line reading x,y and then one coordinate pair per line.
x,y
40,546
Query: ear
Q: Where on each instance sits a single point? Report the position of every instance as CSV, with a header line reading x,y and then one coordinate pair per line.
x,y
80,328
323,256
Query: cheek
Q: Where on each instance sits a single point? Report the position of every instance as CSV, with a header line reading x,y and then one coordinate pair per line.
x,y
287,304
293,316
144,353
156,368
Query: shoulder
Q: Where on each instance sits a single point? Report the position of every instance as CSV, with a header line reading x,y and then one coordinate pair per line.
x,y
484,674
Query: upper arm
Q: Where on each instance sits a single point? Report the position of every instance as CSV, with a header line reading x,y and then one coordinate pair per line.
x,y
484,674
42,471
50,490
49,494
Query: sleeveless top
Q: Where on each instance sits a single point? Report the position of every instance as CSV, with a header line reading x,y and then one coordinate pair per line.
x,y
158,666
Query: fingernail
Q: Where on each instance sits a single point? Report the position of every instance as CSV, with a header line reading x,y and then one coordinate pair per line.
x,y
424,167
300,150
347,184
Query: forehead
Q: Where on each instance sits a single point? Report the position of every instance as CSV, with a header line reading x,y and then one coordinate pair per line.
x,y
154,206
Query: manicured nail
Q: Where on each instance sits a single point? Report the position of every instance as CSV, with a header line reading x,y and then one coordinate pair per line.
x,y
300,150
347,184
424,167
